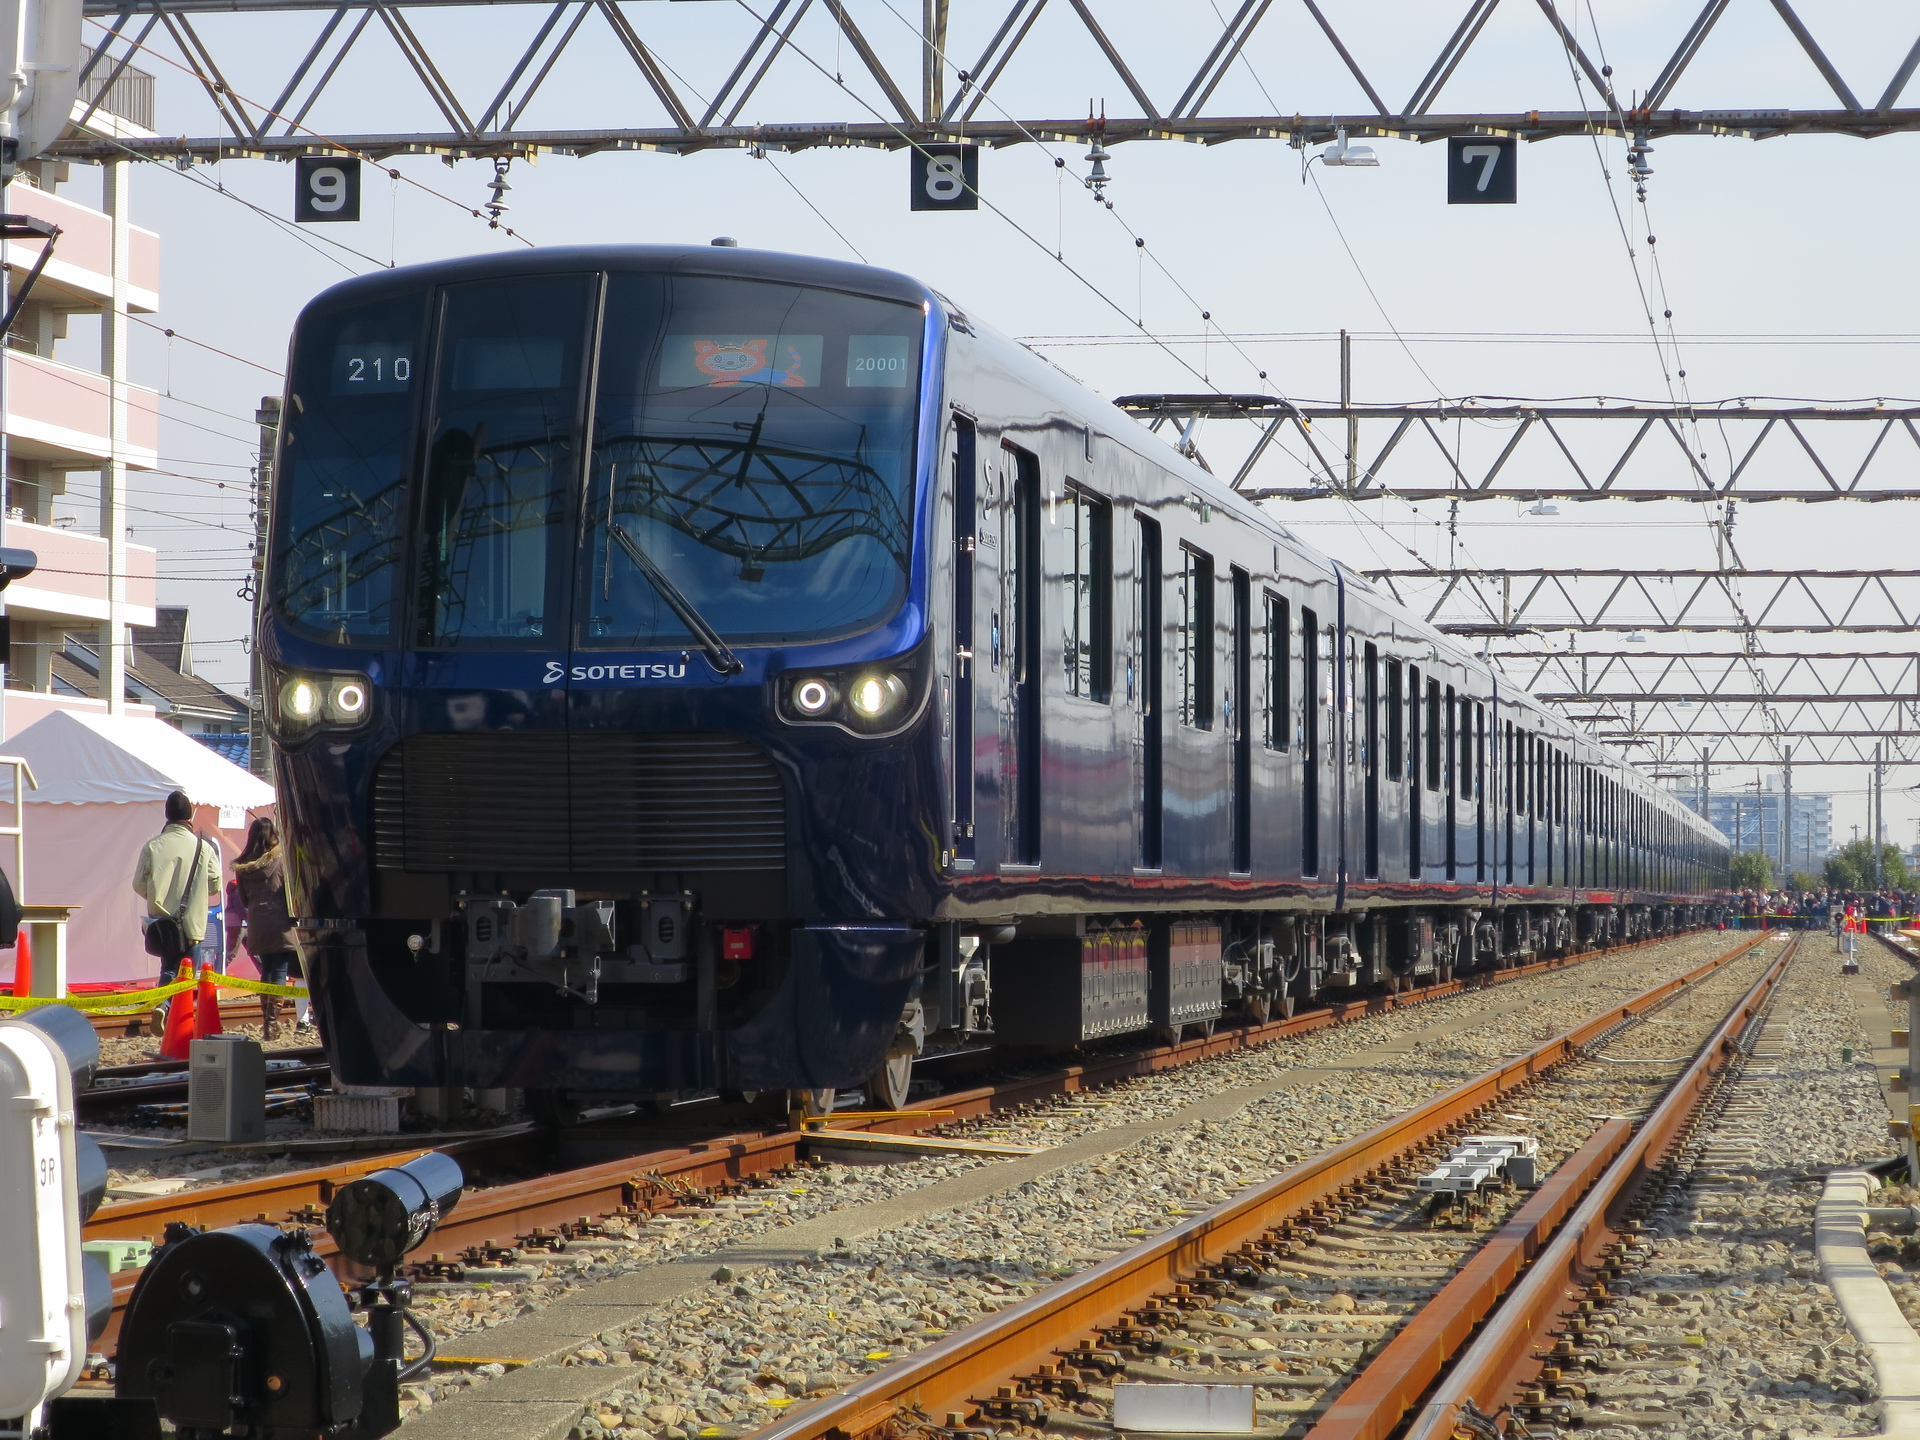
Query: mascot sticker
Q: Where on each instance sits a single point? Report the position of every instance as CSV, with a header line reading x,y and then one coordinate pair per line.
x,y
718,361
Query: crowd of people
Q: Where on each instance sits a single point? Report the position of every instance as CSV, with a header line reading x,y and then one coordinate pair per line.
x,y
1823,909
196,916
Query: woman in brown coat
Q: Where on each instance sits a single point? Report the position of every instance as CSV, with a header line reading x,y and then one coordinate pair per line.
x,y
261,874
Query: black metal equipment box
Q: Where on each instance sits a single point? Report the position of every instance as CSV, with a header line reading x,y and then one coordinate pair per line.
x,y
1060,990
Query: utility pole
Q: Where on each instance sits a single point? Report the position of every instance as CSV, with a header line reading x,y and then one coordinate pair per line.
x,y
259,743
1786,816
1346,403
1879,816
113,475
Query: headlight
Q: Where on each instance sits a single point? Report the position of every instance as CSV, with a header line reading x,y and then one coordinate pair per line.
x,y
875,694
874,698
346,701
308,702
812,697
299,702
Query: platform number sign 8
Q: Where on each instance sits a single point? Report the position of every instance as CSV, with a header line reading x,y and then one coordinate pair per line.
x,y
326,188
1482,169
946,177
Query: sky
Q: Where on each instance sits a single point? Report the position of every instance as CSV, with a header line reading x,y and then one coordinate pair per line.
x,y
1802,239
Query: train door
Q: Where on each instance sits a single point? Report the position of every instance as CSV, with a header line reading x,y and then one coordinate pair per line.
x,y
1451,718
1370,754
1509,787
1240,719
1415,759
1479,792
1281,736
1020,567
1149,661
965,527
1310,711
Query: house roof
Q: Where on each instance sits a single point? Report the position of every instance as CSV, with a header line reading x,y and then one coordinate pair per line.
x,y
149,678
169,638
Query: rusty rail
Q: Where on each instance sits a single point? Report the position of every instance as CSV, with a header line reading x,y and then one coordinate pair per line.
x,y
1503,1358
728,1159
504,1211
948,1375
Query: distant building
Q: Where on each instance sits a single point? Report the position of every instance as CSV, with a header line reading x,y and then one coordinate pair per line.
x,y
73,409
160,675
1751,821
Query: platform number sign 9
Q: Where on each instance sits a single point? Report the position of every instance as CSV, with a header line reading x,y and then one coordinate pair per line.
x,y
325,188
1482,169
946,177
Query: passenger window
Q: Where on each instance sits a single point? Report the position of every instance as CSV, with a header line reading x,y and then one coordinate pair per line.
x,y
1088,614
1279,673
1434,735
1196,639
1396,719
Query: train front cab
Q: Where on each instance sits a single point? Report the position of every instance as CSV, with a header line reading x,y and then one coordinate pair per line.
x,y
620,555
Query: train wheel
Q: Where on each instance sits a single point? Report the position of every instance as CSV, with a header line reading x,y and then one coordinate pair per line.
x,y
817,1102
555,1108
1259,1007
887,1087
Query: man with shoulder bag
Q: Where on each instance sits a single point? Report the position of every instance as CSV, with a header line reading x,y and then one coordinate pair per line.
x,y
177,873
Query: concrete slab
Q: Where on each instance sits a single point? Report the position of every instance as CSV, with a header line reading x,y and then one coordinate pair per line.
x,y
452,1420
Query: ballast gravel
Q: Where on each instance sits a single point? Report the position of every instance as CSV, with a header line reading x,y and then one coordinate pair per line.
x,y
730,1358
1727,1329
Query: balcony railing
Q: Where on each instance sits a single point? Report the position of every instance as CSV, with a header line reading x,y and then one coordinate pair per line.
x,y
70,581
60,412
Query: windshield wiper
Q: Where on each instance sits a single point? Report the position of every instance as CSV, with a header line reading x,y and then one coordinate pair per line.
x,y
718,655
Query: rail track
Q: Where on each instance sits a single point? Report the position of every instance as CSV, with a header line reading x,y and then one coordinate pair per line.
x,y
491,1222
1198,1302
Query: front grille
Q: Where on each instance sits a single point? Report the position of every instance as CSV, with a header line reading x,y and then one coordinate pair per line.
x,y
601,802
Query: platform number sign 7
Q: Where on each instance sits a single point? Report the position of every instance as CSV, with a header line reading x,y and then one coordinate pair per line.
x,y
946,177
325,188
1482,169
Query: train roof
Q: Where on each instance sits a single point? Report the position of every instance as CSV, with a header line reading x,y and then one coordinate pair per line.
x,y
724,261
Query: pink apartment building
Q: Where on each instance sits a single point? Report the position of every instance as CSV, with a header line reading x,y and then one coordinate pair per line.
x,y
64,419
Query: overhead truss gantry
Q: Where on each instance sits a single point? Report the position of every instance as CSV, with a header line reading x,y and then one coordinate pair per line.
x,y
1178,71
1667,705
1498,448
1508,602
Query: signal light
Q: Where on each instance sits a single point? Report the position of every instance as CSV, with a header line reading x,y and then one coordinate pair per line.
x,y
54,1300
380,1217
245,1330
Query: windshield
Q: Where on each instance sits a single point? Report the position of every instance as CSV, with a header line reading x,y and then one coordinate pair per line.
x,y
748,478
495,537
341,507
755,442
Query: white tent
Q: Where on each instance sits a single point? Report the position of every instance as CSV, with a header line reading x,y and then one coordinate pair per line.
x,y
103,780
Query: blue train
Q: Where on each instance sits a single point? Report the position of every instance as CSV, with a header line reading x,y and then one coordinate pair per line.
x,y
703,669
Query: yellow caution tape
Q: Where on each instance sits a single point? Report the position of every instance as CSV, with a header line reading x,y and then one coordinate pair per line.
x,y
113,1000
129,1001
260,987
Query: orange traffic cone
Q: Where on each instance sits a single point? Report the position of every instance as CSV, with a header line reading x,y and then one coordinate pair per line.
x,y
206,1006
177,1042
22,967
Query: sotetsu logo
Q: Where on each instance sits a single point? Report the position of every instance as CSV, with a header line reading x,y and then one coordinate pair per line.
x,y
558,673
